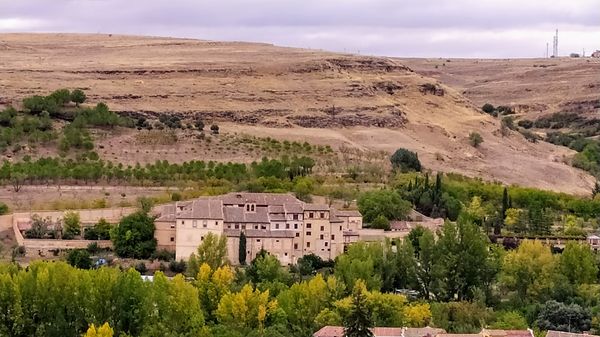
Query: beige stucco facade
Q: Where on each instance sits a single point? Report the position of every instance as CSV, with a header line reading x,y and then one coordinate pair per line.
x,y
282,225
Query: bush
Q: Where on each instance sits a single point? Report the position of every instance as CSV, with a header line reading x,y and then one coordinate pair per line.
x,y
525,123
488,108
3,208
141,268
79,258
505,110
177,266
164,255
475,139
93,248
508,122
530,136
214,129
199,124
78,96
405,160
72,226
19,251
175,196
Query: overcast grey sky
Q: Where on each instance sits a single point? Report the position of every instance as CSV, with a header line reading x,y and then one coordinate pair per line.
x,y
423,28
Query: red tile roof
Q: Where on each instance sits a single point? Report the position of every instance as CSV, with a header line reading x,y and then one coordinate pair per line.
x,y
338,331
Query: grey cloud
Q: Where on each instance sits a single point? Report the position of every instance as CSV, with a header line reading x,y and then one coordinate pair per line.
x,y
391,27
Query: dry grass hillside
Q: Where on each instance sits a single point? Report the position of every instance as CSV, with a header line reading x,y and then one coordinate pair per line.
x,y
533,86
370,103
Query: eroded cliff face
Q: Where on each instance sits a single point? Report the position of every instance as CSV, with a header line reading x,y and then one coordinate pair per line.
x,y
369,102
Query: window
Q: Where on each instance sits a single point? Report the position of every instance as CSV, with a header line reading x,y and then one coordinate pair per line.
x,y
172,239
295,226
332,237
237,226
194,224
308,245
326,243
321,237
172,225
287,226
276,240
295,217
202,238
308,233
340,227
276,226
322,228
285,254
204,223
297,235
257,240
308,225
311,215
263,226
322,215
295,246
255,226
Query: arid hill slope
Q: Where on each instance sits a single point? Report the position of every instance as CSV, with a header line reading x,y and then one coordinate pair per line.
x,y
534,86
367,102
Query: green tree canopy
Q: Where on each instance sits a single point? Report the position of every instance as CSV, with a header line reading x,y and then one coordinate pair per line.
x,y
386,203
134,236
405,160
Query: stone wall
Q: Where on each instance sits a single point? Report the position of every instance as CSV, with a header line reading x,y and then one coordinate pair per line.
x,y
87,216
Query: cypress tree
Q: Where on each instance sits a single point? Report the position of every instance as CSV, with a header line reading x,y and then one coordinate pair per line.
x,y
505,206
242,249
359,322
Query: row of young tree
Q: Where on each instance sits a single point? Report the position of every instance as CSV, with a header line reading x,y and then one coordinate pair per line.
x,y
57,171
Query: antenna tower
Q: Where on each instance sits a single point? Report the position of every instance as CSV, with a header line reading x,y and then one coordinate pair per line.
x,y
555,45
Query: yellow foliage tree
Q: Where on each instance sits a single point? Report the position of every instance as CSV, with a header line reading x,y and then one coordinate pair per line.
x,y
417,315
529,270
476,210
212,286
247,309
103,331
514,217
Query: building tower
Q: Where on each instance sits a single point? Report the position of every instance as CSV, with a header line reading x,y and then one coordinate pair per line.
x,y
555,45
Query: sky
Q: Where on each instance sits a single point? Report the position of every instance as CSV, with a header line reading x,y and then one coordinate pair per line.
x,y
404,28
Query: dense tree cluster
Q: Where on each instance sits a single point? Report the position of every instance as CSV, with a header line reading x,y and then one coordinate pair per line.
x,y
35,124
519,210
462,280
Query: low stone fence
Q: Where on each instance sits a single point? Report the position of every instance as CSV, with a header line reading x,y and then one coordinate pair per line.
x,y
49,244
